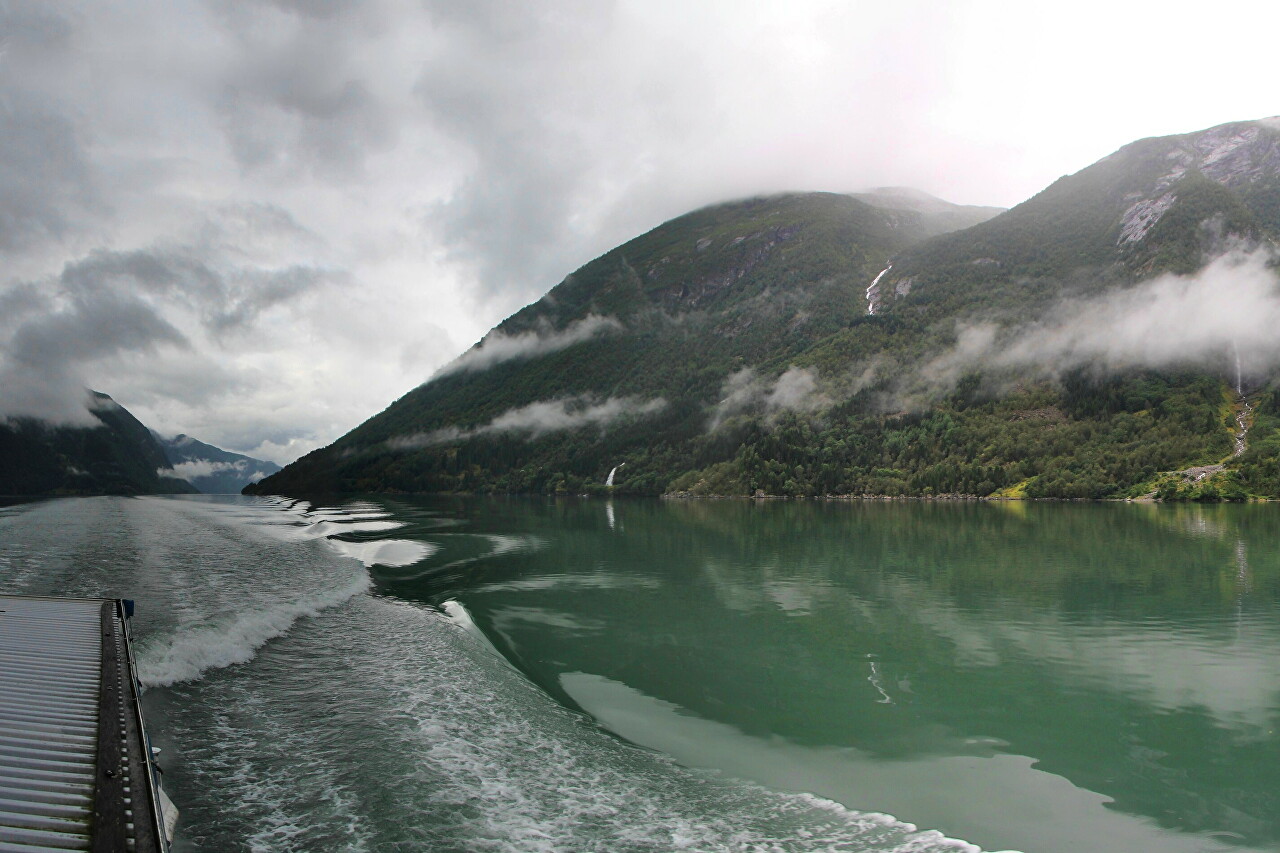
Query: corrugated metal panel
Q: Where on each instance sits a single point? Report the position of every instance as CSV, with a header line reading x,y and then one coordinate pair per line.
x,y
50,673
75,768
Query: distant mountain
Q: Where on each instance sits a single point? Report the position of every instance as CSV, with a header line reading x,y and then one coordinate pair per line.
x,y
816,344
940,216
119,456
211,469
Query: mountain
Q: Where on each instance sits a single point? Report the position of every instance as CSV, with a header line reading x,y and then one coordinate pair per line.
x,y
211,469
941,216
1163,204
813,344
642,338
119,456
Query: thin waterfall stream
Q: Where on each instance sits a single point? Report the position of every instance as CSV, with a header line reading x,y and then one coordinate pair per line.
x,y
873,290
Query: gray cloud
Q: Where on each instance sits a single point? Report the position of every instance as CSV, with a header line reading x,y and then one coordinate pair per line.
x,y
42,356
49,187
515,87
540,418
497,347
294,100
34,26
315,8
46,182
19,301
583,124
59,335
91,326
261,436
251,292
227,293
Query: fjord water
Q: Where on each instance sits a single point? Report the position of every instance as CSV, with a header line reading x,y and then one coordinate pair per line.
x,y
645,675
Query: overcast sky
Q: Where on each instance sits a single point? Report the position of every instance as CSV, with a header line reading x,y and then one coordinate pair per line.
x,y
259,223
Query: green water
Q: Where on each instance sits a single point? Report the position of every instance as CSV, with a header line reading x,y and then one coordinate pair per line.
x,y
1046,677
641,676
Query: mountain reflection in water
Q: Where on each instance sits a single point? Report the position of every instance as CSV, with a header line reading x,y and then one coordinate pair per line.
x,y
1040,676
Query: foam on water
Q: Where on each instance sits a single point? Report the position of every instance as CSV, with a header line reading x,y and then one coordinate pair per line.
x,y
393,553
233,639
504,544
494,545
224,639
332,527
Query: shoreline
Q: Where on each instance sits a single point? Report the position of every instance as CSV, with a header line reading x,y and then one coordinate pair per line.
x,y
686,496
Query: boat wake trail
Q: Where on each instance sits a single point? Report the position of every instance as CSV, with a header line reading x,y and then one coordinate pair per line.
x,y
233,639
390,728
274,566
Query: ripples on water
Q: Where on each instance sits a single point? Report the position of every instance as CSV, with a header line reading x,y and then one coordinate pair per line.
x,y
301,709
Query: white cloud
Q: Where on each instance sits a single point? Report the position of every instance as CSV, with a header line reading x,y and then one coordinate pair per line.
x,y
540,418
1230,308
206,467
497,347
796,390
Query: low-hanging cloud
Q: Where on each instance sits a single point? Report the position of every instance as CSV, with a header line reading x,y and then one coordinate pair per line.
x,y
205,467
540,418
497,346
196,469
1228,310
796,390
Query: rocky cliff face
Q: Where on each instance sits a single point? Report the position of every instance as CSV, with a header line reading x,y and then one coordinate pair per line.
x,y
1235,155
1243,157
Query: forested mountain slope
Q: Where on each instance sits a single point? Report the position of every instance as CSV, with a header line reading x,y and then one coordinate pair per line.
x,y
825,344
120,456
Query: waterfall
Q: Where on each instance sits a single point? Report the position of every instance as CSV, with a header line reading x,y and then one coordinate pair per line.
x,y
872,289
609,481
1242,421
1239,378
1242,417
